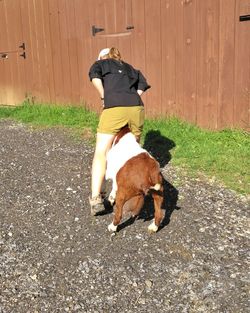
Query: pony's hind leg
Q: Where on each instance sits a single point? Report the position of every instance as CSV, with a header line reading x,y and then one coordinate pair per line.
x,y
158,199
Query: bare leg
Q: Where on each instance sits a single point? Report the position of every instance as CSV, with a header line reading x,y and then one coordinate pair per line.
x,y
103,144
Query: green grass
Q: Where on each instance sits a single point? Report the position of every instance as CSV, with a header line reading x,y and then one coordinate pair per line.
x,y
224,155
52,115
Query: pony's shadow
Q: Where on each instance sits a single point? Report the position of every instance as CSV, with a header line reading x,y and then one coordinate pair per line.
x,y
169,205
159,147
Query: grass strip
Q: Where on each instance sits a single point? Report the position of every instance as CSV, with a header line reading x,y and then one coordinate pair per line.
x,y
52,115
224,155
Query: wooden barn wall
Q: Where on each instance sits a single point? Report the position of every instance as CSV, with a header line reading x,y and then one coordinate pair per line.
x,y
194,53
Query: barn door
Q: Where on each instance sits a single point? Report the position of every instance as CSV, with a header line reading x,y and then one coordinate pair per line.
x,y
113,25
110,25
12,54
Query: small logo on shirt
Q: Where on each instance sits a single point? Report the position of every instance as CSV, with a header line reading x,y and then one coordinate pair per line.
x,y
120,71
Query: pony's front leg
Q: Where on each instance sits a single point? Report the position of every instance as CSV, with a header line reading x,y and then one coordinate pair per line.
x,y
118,212
112,194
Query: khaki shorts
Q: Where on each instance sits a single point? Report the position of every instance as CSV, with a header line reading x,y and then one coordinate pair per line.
x,y
113,119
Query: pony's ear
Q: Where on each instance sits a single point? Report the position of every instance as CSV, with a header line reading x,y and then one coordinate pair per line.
x,y
121,133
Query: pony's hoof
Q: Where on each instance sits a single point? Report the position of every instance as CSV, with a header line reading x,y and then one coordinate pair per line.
x,y
111,199
152,228
112,228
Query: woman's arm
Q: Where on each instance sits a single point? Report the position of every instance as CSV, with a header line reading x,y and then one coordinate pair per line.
x,y
142,84
97,82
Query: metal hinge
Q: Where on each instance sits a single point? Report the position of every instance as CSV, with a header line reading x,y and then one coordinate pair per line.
x,y
5,54
96,30
244,18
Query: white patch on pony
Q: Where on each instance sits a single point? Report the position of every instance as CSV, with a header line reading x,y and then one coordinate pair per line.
x,y
119,154
111,198
112,194
152,228
156,187
112,228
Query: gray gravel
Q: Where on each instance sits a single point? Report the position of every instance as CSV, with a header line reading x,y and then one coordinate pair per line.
x,y
54,257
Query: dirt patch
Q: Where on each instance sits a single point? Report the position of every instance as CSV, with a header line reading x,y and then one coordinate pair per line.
x,y
55,258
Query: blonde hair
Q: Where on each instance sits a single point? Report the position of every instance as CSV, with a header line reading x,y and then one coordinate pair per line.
x,y
114,53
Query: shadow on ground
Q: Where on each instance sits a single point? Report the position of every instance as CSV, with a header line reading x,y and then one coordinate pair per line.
x,y
158,146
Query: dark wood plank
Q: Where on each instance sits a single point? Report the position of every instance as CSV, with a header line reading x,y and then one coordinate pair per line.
x,y
48,48
107,9
123,10
189,63
86,54
179,59
32,51
120,15
226,63
65,51
153,56
207,62
97,16
55,41
73,56
138,53
242,67
39,40
82,49
166,58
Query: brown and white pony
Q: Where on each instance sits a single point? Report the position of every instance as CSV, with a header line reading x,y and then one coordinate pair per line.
x,y
134,173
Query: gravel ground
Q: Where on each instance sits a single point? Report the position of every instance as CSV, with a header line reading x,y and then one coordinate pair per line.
x,y
54,257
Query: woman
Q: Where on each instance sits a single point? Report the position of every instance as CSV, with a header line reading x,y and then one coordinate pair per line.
x,y
120,87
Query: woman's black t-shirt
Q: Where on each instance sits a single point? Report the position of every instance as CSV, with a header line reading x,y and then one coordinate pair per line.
x,y
120,81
